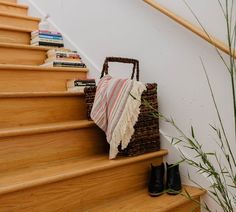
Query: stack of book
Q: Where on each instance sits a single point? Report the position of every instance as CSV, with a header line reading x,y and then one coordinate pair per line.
x,y
61,57
78,85
46,38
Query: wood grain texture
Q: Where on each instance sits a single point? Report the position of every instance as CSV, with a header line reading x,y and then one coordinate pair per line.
x,y
9,35
22,54
140,201
45,128
19,21
81,193
13,8
38,108
189,206
39,80
66,169
39,149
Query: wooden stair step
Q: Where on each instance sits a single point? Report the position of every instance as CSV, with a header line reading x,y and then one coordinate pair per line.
x,y
13,8
75,185
26,108
19,20
34,145
45,128
36,78
20,54
141,201
10,34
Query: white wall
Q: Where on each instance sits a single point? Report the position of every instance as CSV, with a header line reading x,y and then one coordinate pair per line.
x,y
169,55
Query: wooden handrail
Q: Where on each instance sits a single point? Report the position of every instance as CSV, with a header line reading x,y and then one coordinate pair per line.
x,y
198,31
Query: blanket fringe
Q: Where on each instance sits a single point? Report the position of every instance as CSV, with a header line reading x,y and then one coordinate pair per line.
x,y
125,127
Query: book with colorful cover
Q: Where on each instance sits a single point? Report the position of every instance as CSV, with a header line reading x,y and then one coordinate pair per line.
x,y
46,40
60,50
63,60
50,44
47,32
64,55
47,37
64,64
80,83
52,53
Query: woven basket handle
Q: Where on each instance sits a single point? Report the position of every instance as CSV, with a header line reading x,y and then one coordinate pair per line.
x,y
121,60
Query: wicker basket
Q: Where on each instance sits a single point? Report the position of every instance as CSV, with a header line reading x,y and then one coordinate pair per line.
x,y
146,136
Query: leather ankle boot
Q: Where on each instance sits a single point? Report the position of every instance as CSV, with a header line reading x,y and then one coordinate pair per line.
x,y
173,183
156,181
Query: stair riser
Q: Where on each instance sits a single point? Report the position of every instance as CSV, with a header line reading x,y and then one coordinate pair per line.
x,y
20,56
38,149
40,110
19,22
9,36
13,10
36,81
80,193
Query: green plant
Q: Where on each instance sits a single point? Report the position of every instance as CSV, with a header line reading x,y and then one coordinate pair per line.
x,y
221,171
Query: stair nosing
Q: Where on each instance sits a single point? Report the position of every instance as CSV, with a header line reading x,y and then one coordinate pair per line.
x,y
121,201
45,128
185,200
39,94
40,68
20,16
76,173
13,28
24,46
14,4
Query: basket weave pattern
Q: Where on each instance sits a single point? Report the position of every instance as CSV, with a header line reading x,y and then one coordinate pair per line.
x,y
146,136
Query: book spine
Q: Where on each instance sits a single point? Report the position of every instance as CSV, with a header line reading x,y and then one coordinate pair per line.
x,y
63,60
46,40
63,54
69,65
75,83
45,32
76,89
47,44
86,84
83,81
53,51
48,37
55,56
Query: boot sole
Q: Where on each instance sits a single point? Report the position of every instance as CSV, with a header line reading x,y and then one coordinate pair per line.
x,y
174,192
155,194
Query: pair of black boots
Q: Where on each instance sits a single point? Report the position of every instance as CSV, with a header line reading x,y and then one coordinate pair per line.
x,y
156,184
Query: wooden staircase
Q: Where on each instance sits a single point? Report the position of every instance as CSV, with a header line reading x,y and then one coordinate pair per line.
x,y
52,157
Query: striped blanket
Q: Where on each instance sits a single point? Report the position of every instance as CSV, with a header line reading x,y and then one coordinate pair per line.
x,y
115,111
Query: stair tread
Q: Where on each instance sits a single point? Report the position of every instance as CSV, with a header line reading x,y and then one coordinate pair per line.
x,y
141,201
44,128
20,16
14,4
13,28
23,46
40,68
62,170
39,94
